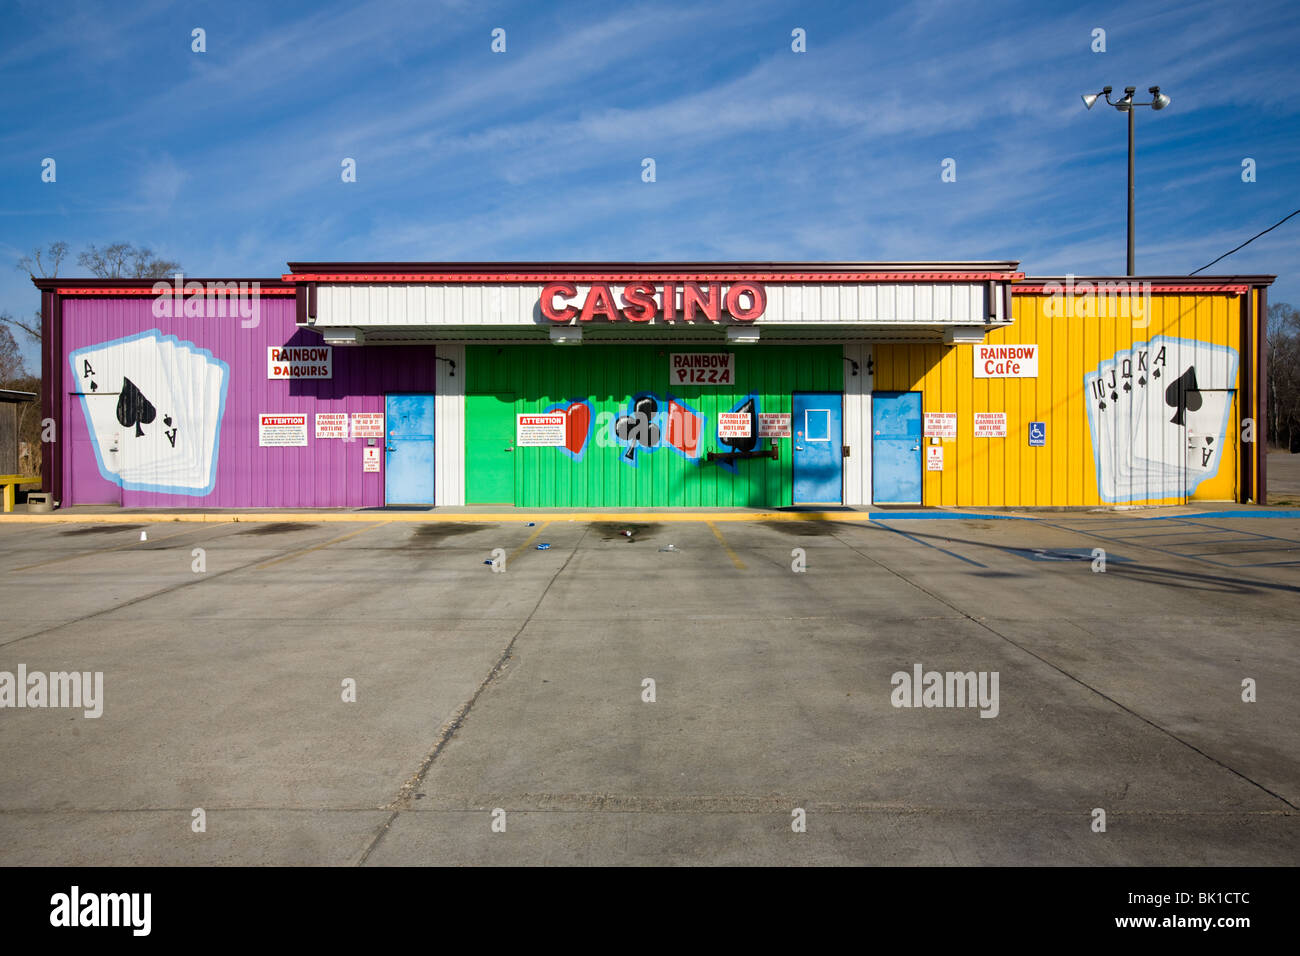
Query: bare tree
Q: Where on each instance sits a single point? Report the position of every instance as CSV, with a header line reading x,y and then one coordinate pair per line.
x,y
122,260
119,260
34,329
44,262
11,359
14,375
1284,376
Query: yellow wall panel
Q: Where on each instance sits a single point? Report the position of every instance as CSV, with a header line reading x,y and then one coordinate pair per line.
x,y
993,472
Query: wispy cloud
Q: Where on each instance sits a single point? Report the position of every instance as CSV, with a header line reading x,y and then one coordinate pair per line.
x,y
229,160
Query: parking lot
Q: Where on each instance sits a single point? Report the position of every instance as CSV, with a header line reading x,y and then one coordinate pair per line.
x,y
505,718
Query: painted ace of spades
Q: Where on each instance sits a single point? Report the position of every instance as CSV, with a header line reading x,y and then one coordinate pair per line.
x,y
134,409
1183,396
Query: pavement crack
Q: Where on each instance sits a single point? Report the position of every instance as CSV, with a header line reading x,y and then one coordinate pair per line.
x,y
406,794
980,622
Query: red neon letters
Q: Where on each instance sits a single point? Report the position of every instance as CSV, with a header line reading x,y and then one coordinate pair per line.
x,y
744,302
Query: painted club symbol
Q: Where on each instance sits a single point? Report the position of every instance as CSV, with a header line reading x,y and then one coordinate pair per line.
x,y
639,430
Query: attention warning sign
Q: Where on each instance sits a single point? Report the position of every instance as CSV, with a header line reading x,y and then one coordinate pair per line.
x,y
282,431
539,431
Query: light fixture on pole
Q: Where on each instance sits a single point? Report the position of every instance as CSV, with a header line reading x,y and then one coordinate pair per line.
x,y
1125,104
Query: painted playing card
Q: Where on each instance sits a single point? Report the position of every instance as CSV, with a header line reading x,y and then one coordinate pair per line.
x,y
1103,397
1206,433
147,440
1151,477
1188,392
181,457
212,379
130,369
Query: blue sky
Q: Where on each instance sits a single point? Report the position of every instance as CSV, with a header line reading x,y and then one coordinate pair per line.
x,y
229,160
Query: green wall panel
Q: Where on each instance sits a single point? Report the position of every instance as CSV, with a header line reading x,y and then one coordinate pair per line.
x,y
608,376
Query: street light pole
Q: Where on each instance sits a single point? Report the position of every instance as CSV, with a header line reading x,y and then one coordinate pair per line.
x,y
1125,105
1131,122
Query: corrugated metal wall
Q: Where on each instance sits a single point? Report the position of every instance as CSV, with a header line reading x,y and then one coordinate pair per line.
x,y
8,438
993,472
857,423
449,427
608,377
325,474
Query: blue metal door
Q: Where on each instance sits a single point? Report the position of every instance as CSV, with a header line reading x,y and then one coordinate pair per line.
x,y
408,458
818,448
896,447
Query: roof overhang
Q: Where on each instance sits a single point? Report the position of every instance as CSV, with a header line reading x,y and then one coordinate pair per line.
x,y
1141,285
424,272
68,285
660,335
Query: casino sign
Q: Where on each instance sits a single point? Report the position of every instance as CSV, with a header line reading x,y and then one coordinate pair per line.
x,y
642,301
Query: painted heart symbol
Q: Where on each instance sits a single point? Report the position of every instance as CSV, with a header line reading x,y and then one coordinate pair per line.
x,y
577,424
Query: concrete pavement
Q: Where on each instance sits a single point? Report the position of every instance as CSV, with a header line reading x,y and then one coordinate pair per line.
x,y
523,691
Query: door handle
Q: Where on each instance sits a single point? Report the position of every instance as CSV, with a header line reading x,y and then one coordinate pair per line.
x,y
389,448
798,447
511,448
916,448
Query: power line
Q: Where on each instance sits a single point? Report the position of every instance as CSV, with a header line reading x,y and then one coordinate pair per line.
x,y
1246,243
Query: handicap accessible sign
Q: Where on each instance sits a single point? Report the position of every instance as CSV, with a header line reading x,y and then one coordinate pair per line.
x,y
1037,434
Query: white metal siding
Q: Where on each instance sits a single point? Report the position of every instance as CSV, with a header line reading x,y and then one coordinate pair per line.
x,y
857,426
514,304
449,428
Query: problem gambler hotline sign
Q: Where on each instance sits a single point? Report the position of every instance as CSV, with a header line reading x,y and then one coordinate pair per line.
x,y
292,361
734,425
332,425
990,424
702,368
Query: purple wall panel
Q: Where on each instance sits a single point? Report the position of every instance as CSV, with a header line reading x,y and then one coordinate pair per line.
x,y
325,474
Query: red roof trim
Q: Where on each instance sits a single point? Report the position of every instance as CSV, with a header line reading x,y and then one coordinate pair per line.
x,y
425,278
1023,289
170,291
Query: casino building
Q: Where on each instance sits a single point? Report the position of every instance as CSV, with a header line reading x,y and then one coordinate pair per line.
x,y
738,384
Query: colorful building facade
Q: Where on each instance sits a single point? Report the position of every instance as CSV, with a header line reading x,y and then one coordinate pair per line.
x,y
759,385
